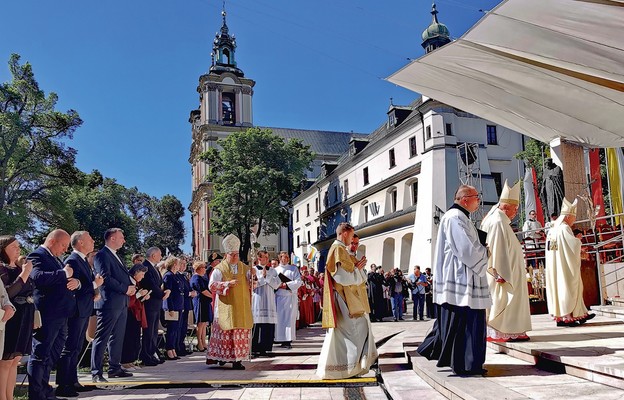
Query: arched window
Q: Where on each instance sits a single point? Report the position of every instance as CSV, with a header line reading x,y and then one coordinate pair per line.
x,y
411,192
228,109
391,201
364,212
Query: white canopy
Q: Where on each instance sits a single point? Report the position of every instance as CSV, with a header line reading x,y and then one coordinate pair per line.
x,y
545,68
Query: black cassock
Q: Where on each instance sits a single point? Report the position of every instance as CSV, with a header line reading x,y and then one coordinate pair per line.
x,y
457,340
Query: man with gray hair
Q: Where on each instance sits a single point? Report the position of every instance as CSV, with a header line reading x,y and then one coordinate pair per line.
x,y
461,291
54,299
67,370
152,281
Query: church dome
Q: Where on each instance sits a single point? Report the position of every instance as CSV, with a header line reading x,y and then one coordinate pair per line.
x,y
436,29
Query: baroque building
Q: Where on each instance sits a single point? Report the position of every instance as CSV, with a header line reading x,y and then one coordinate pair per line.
x,y
395,184
226,106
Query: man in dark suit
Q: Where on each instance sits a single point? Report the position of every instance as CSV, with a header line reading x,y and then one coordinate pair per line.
x,y
67,371
112,308
152,281
55,300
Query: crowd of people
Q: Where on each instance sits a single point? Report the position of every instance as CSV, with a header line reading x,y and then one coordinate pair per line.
x,y
388,293
49,306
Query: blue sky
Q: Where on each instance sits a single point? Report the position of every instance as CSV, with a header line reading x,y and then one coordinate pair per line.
x,y
131,68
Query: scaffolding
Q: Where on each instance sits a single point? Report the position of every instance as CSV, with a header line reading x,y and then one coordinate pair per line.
x,y
469,172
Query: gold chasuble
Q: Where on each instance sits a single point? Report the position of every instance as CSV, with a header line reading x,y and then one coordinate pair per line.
x,y
349,347
338,268
234,309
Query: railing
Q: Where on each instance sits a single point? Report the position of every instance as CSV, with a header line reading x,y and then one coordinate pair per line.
x,y
605,243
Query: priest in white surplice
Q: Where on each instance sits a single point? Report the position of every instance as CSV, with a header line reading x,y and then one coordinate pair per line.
x,y
564,287
287,301
349,348
510,317
263,306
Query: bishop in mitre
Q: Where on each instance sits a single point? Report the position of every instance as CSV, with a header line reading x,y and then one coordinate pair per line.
x,y
230,338
564,287
509,318
349,348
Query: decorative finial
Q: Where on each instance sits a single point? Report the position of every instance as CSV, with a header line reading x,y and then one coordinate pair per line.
x,y
391,103
434,12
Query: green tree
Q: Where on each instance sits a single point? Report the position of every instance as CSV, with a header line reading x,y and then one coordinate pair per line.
x,y
98,204
255,174
34,160
164,226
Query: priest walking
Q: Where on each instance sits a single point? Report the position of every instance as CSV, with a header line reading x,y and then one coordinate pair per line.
x,y
510,317
349,348
287,301
263,305
461,292
564,287
231,330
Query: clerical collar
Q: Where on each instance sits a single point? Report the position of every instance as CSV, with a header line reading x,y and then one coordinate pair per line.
x,y
460,208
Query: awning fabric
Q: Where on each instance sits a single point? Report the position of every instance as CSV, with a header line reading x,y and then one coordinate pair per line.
x,y
545,68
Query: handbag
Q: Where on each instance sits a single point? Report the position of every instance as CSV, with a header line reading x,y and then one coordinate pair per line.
x,y
172,315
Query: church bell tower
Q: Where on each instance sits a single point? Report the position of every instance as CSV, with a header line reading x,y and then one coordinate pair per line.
x,y
225,106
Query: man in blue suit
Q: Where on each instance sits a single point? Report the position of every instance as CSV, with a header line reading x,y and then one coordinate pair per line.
x,y
112,308
67,371
55,300
152,281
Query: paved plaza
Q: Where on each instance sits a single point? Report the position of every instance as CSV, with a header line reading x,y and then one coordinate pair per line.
x,y
585,362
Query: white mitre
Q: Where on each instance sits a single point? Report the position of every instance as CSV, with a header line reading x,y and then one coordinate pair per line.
x,y
230,244
510,195
568,208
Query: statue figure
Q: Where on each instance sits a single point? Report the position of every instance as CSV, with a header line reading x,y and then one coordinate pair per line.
x,y
552,187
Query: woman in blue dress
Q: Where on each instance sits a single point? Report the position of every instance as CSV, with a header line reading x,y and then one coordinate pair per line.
x,y
174,304
202,303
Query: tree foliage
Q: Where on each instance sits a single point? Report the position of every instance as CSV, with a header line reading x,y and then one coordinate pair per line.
x,y
41,188
164,227
100,203
255,174
34,160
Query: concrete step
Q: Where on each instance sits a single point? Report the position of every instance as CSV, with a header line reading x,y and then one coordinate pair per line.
x,y
612,311
510,379
592,351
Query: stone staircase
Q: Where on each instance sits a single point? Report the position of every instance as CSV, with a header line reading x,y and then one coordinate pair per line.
x,y
585,362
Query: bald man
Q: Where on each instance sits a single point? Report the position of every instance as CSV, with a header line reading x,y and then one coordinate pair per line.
x,y
55,300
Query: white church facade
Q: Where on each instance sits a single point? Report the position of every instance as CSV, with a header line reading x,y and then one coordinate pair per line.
x,y
394,185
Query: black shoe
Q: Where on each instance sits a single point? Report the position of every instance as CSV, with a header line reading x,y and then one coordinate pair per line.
x,y
221,363
66,391
98,379
171,358
238,365
120,374
79,388
587,318
161,360
150,363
